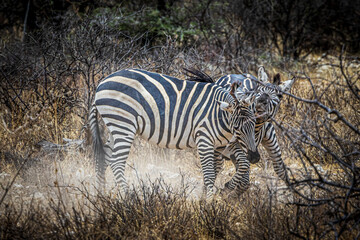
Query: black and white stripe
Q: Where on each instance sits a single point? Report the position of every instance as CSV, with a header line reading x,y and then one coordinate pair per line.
x,y
170,113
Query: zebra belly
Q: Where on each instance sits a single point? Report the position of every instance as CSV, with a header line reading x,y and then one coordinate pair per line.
x,y
171,145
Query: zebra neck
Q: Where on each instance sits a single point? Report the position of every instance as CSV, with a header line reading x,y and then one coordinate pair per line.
x,y
225,116
260,123
220,119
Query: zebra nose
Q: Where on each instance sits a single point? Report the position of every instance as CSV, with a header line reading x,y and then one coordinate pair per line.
x,y
263,98
253,157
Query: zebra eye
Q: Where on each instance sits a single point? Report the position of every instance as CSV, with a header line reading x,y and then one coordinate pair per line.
x,y
280,96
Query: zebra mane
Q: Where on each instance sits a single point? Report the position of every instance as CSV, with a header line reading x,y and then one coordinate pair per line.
x,y
197,76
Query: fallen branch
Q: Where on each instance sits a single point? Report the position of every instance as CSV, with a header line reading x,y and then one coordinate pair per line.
x,y
69,145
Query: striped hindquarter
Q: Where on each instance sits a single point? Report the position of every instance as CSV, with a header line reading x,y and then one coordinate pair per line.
x,y
169,113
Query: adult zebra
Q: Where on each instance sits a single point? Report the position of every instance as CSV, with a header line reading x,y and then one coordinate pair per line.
x,y
170,113
267,101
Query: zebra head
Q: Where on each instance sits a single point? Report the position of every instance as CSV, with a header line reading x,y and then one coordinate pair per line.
x,y
269,95
242,120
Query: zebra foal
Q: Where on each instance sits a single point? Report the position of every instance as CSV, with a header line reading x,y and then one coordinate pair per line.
x,y
268,97
171,113
267,102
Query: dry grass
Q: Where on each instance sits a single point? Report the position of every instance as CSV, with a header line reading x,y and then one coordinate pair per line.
x,y
56,199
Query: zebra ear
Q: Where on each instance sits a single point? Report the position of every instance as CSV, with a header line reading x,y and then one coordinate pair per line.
x,y
286,86
262,76
277,79
226,106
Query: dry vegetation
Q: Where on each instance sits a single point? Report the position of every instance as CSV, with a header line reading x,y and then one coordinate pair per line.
x,y
47,191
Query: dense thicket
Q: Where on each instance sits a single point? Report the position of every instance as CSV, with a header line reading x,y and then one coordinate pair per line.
x,y
294,28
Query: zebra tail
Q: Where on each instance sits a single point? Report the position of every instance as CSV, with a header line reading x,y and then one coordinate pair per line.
x,y
97,144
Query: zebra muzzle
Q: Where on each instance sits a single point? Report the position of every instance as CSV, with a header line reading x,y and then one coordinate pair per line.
x,y
253,157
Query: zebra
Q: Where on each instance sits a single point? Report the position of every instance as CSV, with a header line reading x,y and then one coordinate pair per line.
x,y
170,113
267,101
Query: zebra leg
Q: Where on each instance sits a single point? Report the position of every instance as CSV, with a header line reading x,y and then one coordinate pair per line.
x,y
240,180
272,147
206,153
219,162
120,151
228,152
